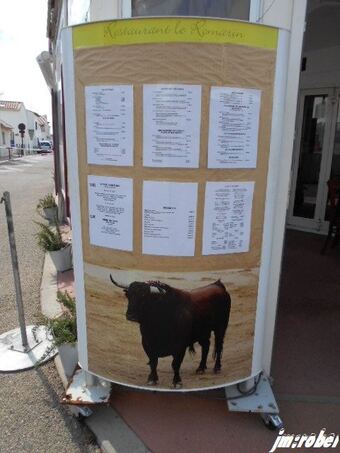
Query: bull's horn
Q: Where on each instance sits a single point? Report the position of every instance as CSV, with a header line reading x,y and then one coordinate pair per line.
x,y
118,284
153,289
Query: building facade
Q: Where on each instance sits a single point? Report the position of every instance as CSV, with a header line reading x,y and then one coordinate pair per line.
x,y
38,128
15,113
12,114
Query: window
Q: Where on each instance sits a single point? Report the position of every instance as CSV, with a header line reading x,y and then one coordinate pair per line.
x,y
235,9
3,138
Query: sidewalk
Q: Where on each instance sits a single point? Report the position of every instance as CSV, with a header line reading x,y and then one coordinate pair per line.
x,y
307,387
112,433
31,418
14,157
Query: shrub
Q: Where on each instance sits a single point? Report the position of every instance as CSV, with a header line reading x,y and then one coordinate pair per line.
x,y
64,328
49,239
47,202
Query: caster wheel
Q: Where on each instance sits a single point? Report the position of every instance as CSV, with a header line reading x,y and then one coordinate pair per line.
x,y
272,421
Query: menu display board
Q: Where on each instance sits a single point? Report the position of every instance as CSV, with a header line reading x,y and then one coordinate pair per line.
x,y
233,127
227,217
169,162
109,124
169,218
110,212
171,125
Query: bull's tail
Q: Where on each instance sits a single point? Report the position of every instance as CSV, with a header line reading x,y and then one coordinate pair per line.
x,y
220,329
218,346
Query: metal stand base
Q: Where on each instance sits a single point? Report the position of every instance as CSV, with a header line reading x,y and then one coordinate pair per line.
x,y
14,357
262,401
86,389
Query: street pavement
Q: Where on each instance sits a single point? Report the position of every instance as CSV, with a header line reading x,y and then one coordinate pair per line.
x,y
31,418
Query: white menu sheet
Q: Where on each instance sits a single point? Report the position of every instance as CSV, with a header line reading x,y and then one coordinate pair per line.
x,y
171,125
111,212
227,217
169,218
109,124
233,127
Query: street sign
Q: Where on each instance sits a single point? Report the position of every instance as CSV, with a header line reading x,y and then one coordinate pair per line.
x,y
22,127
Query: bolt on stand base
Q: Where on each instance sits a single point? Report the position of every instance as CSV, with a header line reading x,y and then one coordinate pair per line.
x,y
261,401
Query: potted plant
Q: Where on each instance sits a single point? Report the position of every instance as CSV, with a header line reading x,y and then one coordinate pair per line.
x,y
49,207
63,330
50,240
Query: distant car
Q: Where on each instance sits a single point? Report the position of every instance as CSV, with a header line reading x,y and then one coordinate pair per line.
x,y
44,147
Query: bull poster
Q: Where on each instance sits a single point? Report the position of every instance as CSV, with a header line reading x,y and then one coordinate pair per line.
x,y
167,244
225,326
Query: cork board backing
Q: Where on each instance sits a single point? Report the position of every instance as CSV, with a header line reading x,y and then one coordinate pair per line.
x,y
114,344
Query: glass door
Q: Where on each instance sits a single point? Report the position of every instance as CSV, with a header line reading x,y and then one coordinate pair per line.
x,y
311,163
333,165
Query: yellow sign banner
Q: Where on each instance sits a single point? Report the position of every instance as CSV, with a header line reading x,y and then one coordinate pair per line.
x,y
167,30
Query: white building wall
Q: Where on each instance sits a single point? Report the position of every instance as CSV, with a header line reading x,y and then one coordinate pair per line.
x,y
44,133
278,13
32,127
77,11
322,47
15,117
104,10
5,140
5,136
288,14
322,68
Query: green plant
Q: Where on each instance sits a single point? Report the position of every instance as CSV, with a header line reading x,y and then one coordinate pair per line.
x,y
47,202
63,328
69,302
49,238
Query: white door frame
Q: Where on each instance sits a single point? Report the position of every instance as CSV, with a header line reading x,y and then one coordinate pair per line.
x,y
317,224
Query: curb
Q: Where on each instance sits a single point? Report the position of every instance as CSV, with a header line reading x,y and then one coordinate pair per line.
x,y
110,430
50,307
3,162
17,158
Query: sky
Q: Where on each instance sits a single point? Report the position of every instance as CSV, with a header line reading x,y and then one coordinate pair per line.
x,y
23,25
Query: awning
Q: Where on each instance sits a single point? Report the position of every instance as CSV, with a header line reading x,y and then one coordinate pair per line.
x,y
5,125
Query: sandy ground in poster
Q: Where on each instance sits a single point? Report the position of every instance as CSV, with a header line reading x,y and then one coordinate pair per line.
x,y
114,344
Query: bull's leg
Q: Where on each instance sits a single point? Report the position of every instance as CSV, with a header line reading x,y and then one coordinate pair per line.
x,y
219,337
176,365
153,376
205,345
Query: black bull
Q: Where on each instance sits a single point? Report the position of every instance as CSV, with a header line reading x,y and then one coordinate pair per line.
x,y
172,320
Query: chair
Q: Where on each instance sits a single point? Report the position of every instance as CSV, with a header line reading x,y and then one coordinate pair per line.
x,y
334,218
